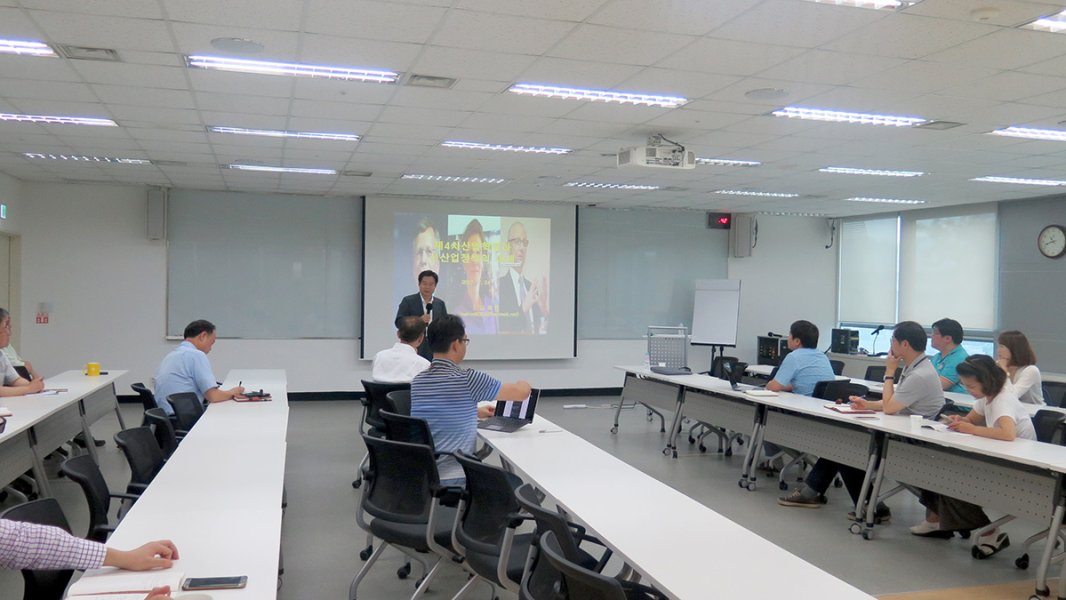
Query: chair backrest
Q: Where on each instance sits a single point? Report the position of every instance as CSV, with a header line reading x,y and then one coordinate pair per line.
x,y
838,366
1054,393
874,373
145,394
579,583
163,430
490,500
543,579
402,428
838,390
401,477
773,372
376,400
84,472
399,401
716,365
188,408
1049,426
142,453
42,584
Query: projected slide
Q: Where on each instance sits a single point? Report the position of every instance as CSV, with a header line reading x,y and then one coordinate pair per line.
x,y
506,269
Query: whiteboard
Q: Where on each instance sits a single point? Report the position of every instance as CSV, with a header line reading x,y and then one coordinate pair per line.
x,y
716,312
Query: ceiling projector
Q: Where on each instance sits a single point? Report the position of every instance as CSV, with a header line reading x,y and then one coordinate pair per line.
x,y
660,153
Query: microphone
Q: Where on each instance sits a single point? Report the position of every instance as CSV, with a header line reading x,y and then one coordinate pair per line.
x,y
772,334
878,330
429,308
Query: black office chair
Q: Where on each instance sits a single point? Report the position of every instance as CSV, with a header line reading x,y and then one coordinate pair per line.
x,y
399,402
84,472
1054,393
146,396
143,455
838,391
403,428
877,373
838,366
374,401
579,583
399,493
163,429
716,365
188,408
42,584
485,532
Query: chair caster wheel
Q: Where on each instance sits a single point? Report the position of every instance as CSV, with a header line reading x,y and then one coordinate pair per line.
x,y
666,451
675,453
868,535
614,429
365,553
703,448
855,528
751,486
741,483
781,485
404,571
740,442
418,583
691,440
729,452
1022,562
357,483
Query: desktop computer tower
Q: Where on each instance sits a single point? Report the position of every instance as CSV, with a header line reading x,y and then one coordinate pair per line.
x,y
845,341
770,350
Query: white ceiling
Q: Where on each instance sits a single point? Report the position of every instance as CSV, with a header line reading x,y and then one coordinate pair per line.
x,y
931,60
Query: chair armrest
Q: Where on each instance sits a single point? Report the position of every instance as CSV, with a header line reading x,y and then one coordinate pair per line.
x,y
516,519
124,496
136,488
447,495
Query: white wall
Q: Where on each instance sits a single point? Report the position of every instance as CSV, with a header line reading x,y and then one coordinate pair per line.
x,y
85,250
789,276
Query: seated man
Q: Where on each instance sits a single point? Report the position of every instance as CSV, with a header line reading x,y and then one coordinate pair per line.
x,y
804,365
14,384
947,335
917,393
32,546
401,363
447,395
186,369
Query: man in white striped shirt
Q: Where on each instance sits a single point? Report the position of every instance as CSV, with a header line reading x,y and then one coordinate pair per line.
x,y
447,395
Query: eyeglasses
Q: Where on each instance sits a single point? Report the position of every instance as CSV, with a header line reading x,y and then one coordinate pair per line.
x,y
519,242
465,340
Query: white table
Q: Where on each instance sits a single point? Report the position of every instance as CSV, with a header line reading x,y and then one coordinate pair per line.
x,y
218,498
733,567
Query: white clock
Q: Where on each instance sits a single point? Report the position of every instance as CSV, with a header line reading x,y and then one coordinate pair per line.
x,y
1052,241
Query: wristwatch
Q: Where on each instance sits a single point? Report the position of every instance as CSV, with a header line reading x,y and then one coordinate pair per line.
x,y
889,377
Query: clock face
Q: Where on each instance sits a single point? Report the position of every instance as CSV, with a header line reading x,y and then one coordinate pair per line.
x,y
1052,241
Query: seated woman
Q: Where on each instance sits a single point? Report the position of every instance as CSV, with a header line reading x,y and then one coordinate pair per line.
x,y
1016,357
997,414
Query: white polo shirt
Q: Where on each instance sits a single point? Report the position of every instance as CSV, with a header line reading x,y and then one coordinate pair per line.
x,y
398,364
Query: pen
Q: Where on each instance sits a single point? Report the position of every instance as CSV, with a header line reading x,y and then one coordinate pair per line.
x,y
240,383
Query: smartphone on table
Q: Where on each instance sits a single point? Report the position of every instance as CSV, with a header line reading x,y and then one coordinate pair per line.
x,y
214,583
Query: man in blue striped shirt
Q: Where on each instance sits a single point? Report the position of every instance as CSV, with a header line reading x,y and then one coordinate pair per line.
x,y
447,395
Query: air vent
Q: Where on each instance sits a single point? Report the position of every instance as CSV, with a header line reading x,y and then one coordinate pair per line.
x,y
86,53
356,173
430,81
939,125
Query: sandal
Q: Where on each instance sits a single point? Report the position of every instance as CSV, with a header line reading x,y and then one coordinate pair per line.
x,y
984,549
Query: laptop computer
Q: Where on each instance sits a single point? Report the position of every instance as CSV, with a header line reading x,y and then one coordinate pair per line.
x,y
733,377
512,415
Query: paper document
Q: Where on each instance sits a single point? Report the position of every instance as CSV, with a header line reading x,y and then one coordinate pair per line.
x,y
848,410
114,581
934,425
760,393
54,392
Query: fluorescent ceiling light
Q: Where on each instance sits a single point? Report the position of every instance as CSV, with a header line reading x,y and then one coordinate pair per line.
x,y
551,91
26,48
1054,135
1020,181
451,178
505,148
82,158
727,162
268,169
878,4
56,120
881,172
759,194
884,200
264,67
611,186
309,135
1054,23
790,214
836,116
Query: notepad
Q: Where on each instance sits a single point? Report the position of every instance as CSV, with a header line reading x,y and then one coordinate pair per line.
x,y
760,393
5,412
848,410
125,582
50,392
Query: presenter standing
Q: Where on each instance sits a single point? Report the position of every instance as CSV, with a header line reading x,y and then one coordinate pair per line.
x,y
424,305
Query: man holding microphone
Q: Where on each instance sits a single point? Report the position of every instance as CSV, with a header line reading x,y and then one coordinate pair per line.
x,y
425,305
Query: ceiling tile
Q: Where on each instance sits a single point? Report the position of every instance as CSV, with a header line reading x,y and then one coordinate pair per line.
x,y
113,8
335,110
422,116
141,75
351,52
418,97
1008,13
46,90
708,55
834,68
144,96
613,45
1005,49
464,64
14,68
389,21
244,83
690,17
499,33
804,24
239,103
283,15
195,38
104,31
577,73
565,10
905,35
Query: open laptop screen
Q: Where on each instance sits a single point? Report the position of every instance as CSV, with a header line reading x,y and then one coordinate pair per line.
x,y
518,409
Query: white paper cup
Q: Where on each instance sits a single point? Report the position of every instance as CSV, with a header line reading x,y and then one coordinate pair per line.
x,y
916,422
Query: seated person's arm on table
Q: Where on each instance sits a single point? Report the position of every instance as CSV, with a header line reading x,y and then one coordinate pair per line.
x,y
776,386
974,423
216,395
784,373
20,387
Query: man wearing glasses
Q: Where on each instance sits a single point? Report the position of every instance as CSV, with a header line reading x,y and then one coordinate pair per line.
x,y
14,384
447,396
523,303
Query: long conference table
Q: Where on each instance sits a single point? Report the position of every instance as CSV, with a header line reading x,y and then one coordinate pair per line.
x,y
218,498
560,465
41,423
1022,478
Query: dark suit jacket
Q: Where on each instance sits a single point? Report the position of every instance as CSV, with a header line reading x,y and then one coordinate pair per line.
x,y
412,306
511,319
